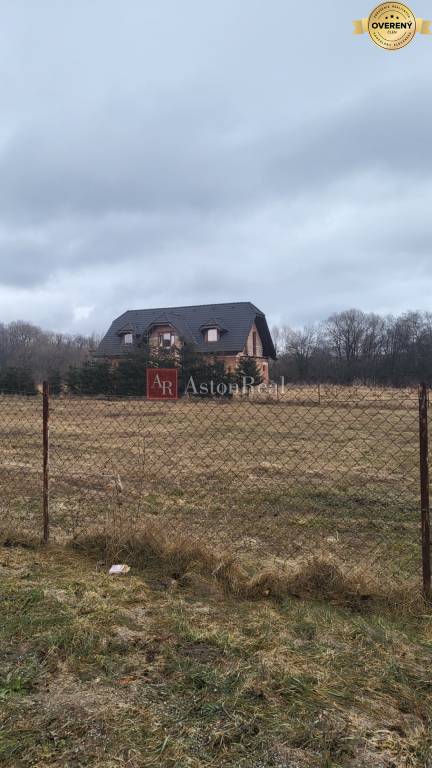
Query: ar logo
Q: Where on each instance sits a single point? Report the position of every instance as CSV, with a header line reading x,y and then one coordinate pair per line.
x,y
162,383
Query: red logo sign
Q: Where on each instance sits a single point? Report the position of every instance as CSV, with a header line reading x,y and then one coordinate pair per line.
x,y
162,383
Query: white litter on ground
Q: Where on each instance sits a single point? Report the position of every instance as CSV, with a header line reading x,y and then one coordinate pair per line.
x,y
119,569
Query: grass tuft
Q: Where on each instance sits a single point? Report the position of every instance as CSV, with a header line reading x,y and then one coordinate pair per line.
x,y
319,577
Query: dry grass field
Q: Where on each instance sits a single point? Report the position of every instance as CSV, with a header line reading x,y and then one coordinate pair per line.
x,y
334,472
272,616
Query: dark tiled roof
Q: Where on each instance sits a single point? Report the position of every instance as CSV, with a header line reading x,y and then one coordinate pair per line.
x,y
235,318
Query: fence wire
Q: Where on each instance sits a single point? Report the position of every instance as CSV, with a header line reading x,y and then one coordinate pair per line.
x,y
20,465
326,469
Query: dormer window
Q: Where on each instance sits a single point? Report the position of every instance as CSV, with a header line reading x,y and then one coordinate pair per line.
x,y
128,338
167,340
212,331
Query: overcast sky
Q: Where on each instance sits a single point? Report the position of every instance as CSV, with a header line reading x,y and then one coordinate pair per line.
x,y
191,151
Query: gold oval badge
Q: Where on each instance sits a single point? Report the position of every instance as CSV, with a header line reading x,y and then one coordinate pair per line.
x,y
392,25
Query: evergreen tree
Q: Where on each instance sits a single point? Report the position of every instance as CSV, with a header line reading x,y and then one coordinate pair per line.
x,y
193,369
73,380
96,378
55,382
129,377
197,373
247,373
202,376
222,380
17,381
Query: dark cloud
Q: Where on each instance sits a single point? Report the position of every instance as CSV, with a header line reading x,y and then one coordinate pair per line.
x,y
171,157
209,158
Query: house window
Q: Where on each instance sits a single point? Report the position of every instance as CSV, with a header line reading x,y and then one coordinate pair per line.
x,y
128,338
166,340
212,334
254,344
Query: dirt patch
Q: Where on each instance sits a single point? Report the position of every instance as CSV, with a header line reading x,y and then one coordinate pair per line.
x,y
201,652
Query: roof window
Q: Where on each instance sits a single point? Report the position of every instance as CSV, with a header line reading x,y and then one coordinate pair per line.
x,y
212,335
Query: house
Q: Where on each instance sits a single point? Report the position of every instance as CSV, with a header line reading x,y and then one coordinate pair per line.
x,y
225,332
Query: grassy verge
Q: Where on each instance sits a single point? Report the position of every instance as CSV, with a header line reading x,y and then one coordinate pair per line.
x,y
167,667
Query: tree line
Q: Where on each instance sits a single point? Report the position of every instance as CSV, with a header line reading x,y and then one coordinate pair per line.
x,y
350,346
197,374
355,346
28,355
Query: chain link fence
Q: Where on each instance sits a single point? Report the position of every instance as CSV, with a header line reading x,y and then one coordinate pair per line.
x,y
269,477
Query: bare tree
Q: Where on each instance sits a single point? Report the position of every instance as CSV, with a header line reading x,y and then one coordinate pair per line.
x,y
301,344
26,346
346,332
280,335
353,345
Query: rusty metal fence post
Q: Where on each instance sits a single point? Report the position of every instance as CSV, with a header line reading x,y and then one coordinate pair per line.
x,y
424,489
45,442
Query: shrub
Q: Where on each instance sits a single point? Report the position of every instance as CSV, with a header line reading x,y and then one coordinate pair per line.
x,y
55,382
17,381
249,370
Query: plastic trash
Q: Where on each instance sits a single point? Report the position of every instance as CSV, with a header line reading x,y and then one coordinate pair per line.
x,y
119,568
